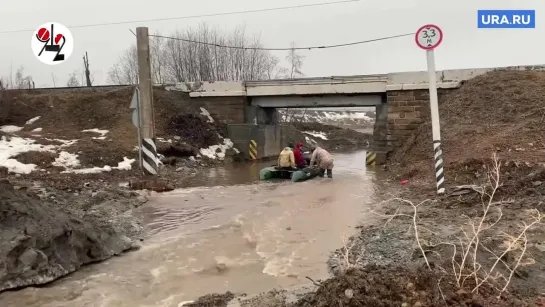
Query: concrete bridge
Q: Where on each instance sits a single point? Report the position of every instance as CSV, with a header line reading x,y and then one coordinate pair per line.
x,y
401,101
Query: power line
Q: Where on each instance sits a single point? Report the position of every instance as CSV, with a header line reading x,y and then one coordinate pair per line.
x,y
285,48
196,16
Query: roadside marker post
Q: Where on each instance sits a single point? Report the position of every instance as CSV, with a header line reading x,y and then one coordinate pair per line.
x,y
135,106
150,164
428,37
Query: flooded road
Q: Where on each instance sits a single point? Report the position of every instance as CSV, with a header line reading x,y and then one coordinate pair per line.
x,y
242,238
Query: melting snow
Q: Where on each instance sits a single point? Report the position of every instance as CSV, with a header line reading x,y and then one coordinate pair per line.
x,y
126,164
309,140
212,151
96,130
66,160
32,120
37,130
321,135
10,128
16,145
205,112
322,116
65,143
162,140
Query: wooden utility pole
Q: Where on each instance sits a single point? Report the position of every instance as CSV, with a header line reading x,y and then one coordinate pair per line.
x,y
147,120
87,71
145,86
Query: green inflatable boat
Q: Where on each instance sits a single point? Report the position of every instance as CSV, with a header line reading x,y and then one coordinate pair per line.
x,y
295,175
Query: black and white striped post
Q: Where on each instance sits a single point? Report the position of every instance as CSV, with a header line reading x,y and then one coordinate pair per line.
x,y
428,37
149,156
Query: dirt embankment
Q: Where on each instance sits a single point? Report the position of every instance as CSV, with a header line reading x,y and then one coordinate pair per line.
x,y
47,233
96,127
501,111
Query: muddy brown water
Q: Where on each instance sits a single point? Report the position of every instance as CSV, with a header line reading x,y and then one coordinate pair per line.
x,y
244,238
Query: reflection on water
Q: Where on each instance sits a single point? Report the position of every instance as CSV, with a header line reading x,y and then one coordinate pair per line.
x,y
242,238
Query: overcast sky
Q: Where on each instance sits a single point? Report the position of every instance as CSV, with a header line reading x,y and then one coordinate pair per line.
x,y
464,45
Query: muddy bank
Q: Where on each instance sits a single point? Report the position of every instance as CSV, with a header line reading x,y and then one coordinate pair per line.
x,y
47,233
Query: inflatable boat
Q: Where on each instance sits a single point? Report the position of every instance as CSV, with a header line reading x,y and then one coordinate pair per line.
x,y
295,175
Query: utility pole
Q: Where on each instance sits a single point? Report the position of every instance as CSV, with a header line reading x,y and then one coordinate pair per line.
x,y
87,72
147,120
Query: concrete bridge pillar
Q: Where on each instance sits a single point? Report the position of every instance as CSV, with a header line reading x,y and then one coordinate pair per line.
x,y
261,116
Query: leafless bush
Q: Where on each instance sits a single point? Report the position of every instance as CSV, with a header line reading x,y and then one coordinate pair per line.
x,y
176,60
466,258
349,259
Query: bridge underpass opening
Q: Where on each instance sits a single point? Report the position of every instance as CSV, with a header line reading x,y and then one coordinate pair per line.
x,y
361,119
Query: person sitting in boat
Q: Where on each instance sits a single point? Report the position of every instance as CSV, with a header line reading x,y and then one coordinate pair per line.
x,y
323,160
286,159
298,154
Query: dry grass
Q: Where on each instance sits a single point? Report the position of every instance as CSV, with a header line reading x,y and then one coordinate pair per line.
x,y
473,245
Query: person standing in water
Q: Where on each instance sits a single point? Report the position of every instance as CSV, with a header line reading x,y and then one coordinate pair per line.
x,y
323,160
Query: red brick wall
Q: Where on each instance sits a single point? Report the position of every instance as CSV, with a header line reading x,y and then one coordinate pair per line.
x,y
406,111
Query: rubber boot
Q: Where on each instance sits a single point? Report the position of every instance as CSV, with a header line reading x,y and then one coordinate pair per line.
x,y
321,173
329,173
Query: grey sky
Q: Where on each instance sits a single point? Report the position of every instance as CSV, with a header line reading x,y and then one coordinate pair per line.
x,y
464,45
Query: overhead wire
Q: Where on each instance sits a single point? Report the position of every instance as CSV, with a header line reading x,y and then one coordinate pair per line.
x,y
284,48
196,16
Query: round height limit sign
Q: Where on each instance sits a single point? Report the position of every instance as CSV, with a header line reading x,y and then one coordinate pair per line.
x,y
428,37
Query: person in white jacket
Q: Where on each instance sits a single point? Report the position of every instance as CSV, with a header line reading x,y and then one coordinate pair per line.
x,y
323,160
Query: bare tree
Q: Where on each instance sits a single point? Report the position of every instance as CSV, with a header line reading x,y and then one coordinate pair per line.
x,y
22,81
295,60
87,72
181,59
125,71
73,80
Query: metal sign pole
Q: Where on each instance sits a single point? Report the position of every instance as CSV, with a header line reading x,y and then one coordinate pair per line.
x,y
135,106
428,38
138,129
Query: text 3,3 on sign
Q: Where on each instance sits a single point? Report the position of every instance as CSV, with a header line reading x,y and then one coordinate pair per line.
x,y
428,37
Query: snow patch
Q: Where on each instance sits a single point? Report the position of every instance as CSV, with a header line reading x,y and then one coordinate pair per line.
x,y
164,141
317,134
32,120
10,128
65,143
37,130
126,164
96,130
217,151
17,145
66,160
309,140
204,112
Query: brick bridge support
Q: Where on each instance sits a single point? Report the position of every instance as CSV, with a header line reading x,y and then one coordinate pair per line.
x,y
401,114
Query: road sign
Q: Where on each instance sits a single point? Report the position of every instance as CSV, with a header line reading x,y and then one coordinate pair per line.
x,y
428,37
